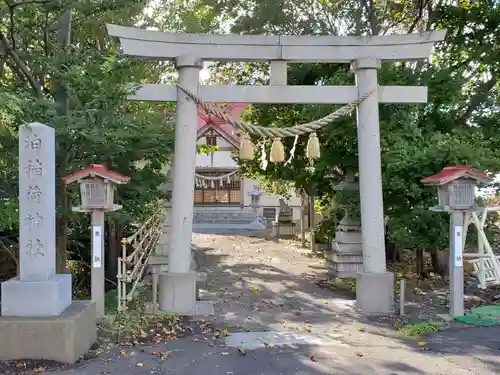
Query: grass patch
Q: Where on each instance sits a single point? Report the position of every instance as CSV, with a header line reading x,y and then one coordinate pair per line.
x,y
418,329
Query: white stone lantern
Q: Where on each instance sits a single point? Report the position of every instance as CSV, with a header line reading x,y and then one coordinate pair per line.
x,y
97,190
255,195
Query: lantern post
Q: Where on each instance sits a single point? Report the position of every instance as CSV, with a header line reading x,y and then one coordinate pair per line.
x,y
97,187
456,187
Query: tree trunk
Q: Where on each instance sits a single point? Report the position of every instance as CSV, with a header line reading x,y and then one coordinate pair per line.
x,y
62,99
420,263
115,235
440,262
312,224
61,244
392,254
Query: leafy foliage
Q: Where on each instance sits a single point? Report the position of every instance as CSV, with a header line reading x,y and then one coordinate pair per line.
x,y
39,74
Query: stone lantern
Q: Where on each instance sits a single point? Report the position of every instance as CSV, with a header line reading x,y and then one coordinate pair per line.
x,y
97,188
456,188
255,195
345,258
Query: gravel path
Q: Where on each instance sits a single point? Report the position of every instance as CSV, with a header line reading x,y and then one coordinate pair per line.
x,y
261,285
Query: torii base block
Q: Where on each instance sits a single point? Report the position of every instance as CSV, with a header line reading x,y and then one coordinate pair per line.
x,y
375,293
178,295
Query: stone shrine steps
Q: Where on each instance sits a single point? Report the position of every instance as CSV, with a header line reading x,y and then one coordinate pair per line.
x,y
221,219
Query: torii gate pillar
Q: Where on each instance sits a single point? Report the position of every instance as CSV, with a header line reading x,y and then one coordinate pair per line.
x,y
177,288
374,276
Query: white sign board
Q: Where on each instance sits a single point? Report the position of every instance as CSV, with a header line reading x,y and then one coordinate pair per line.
x,y
458,244
96,246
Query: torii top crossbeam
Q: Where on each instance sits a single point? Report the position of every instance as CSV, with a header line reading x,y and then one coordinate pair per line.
x,y
279,50
160,45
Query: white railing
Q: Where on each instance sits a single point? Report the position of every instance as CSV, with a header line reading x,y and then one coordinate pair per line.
x,y
133,263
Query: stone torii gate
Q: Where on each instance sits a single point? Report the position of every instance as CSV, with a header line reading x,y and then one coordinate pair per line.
x,y
375,290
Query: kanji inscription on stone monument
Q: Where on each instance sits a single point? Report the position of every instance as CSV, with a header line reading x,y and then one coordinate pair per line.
x,y
37,202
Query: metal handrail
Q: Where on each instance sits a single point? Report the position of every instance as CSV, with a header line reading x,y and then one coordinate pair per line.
x,y
136,250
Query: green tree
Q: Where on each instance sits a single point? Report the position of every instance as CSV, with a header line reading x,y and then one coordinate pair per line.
x,y
101,125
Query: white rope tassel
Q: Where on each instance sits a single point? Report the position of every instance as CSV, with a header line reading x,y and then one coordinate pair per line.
x,y
277,151
313,149
247,148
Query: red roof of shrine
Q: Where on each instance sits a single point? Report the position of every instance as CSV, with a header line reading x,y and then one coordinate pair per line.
x,y
451,173
98,170
206,120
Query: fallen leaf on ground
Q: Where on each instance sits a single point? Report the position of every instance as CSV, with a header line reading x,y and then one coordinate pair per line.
x,y
421,343
361,329
358,354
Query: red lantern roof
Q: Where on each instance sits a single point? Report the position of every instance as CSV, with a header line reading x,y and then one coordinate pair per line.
x,y
96,170
452,173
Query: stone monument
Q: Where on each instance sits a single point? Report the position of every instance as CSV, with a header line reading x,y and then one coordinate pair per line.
x,y
346,256
284,225
39,319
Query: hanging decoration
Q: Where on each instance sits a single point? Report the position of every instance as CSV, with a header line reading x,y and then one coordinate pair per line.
x,y
313,149
292,151
277,151
247,148
263,155
202,181
277,155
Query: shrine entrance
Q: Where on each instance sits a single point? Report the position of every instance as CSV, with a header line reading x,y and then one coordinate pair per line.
x,y
221,187
374,286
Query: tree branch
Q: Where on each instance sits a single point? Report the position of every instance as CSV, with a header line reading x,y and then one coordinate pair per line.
x,y
21,66
28,2
478,98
